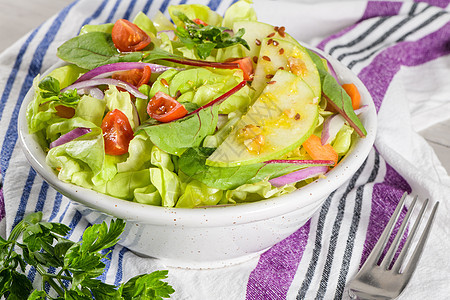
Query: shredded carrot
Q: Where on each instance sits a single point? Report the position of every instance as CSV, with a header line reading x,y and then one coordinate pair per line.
x,y
317,151
353,92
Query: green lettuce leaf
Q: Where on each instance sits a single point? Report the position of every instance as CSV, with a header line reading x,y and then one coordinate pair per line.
x,y
66,75
192,163
198,194
194,11
85,153
240,11
257,191
147,195
116,99
167,184
91,109
63,126
343,140
124,184
144,23
161,22
139,154
161,159
106,28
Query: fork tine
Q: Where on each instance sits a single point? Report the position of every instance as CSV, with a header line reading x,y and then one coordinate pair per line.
x,y
412,264
382,241
395,243
412,233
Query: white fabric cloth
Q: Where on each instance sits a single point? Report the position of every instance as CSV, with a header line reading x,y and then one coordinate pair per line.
x,y
400,50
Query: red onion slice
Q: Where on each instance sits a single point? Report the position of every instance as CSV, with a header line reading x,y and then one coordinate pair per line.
x,y
71,135
96,93
331,127
136,114
99,81
362,109
298,176
107,70
170,34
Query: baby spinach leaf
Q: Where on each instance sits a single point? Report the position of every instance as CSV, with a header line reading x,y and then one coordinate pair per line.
x,y
192,163
94,49
336,96
177,136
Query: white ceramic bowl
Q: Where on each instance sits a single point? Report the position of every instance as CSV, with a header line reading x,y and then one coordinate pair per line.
x,y
216,236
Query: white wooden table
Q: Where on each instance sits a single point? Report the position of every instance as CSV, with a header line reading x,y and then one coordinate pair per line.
x,y
20,16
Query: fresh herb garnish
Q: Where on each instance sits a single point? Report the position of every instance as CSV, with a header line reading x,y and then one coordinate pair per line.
x,y
206,38
51,91
76,265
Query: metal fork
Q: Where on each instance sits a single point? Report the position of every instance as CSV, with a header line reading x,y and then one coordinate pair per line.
x,y
375,281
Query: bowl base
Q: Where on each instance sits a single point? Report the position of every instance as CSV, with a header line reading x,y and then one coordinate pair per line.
x,y
206,265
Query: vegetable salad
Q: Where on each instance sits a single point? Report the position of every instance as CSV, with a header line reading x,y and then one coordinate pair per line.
x,y
204,110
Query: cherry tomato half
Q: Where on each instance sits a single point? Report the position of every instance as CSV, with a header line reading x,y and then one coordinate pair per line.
x,y
117,132
127,36
199,22
136,77
164,108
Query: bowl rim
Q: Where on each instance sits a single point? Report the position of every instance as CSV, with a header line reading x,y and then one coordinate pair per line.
x,y
218,215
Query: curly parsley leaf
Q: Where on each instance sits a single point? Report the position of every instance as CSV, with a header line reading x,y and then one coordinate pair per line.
x,y
206,38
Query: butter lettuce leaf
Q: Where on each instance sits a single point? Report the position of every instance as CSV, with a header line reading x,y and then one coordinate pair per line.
x,y
257,191
198,194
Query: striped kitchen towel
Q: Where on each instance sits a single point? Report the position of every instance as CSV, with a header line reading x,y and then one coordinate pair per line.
x,y
400,50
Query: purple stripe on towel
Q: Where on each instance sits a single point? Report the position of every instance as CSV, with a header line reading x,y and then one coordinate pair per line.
x,y
438,3
385,197
381,9
373,9
276,268
378,75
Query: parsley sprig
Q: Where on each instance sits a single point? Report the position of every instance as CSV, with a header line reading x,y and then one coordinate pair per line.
x,y
77,265
206,38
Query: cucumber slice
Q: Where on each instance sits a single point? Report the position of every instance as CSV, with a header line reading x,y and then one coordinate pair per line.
x,y
277,53
285,115
255,32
